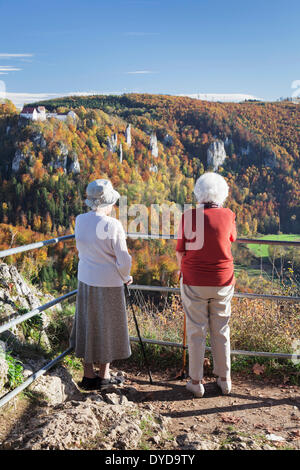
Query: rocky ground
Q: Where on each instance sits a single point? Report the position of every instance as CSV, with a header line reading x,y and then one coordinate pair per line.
x,y
258,415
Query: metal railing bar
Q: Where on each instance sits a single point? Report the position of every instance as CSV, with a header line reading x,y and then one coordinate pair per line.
x,y
208,348
159,342
33,246
35,311
257,241
149,236
6,398
176,290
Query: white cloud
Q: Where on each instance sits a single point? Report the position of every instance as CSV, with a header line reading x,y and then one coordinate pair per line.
x,y
140,72
14,56
142,33
223,97
9,68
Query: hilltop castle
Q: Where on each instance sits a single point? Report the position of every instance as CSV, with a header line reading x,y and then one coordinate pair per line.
x,y
39,113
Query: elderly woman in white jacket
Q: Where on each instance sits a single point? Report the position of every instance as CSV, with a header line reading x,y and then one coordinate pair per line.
x,y
100,331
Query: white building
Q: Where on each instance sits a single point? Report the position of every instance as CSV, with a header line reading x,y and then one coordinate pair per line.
x,y
38,113
62,117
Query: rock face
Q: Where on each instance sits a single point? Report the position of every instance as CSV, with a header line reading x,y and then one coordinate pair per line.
x,y
153,145
15,293
97,422
18,158
73,165
55,387
61,157
128,135
65,159
112,143
3,369
216,154
64,428
39,139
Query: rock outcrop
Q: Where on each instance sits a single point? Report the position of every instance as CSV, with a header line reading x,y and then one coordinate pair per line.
x,y
3,369
128,135
216,154
53,388
73,165
19,157
107,421
63,158
153,145
39,139
16,294
112,143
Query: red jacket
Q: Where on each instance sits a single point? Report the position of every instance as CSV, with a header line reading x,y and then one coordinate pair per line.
x,y
212,265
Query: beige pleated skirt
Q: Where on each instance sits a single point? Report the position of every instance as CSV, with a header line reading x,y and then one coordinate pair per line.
x,y
100,328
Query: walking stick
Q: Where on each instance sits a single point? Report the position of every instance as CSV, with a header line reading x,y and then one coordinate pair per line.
x,y
138,331
183,373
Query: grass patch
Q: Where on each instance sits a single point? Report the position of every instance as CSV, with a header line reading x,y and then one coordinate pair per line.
x,y
15,371
72,362
263,250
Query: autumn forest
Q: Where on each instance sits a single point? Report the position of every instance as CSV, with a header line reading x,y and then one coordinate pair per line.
x,y
46,165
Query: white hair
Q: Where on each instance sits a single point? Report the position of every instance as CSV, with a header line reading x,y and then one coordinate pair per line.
x,y
211,187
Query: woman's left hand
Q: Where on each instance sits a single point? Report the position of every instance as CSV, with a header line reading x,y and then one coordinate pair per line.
x,y
130,281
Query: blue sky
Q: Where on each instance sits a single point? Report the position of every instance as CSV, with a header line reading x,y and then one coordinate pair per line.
x,y
152,46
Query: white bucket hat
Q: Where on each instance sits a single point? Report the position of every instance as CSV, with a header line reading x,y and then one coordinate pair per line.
x,y
100,193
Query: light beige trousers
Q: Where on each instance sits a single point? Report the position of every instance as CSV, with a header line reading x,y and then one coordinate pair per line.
x,y
207,307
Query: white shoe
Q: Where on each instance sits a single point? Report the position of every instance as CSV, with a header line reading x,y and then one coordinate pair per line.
x,y
196,389
225,385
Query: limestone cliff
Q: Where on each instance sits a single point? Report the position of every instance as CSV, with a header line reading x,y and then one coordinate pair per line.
x,y
216,154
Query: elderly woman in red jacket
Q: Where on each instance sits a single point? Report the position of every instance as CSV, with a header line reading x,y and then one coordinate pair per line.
x,y
207,281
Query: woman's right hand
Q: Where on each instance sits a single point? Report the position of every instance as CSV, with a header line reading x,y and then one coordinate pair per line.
x,y
130,281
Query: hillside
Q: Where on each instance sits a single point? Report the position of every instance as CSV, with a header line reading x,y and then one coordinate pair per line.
x,y
46,165
261,141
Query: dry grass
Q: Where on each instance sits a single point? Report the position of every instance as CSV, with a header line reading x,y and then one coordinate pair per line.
x,y
256,325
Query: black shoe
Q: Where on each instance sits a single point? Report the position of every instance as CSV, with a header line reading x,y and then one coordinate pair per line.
x,y
104,383
89,384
